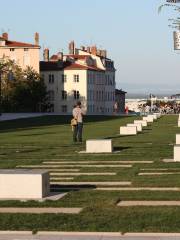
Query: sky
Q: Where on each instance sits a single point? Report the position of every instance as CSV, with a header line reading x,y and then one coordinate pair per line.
x,y
136,37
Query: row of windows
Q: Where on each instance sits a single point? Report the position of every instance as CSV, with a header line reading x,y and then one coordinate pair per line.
x,y
63,78
103,80
100,96
93,109
13,49
92,79
51,95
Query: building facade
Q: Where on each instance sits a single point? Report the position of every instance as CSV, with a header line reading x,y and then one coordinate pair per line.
x,y
24,54
120,97
84,74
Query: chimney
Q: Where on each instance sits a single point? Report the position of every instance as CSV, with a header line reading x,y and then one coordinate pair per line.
x,y
88,49
94,50
71,48
46,55
5,36
36,38
60,56
83,48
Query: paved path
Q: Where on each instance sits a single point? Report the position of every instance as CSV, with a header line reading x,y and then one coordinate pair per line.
x,y
157,173
138,189
84,174
148,203
69,162
40,210
92,183
87,236
75,165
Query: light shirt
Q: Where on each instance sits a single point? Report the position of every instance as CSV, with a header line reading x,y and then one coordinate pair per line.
x,y
78,114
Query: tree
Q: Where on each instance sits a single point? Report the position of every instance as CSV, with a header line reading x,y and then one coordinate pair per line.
x,y
22,91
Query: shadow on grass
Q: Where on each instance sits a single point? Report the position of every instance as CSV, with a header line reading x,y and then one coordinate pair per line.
x,y
29,123
116,149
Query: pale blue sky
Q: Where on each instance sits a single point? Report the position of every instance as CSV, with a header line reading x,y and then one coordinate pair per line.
x,y
135,35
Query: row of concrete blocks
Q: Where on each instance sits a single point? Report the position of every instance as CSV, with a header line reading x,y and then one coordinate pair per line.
x,y
134,128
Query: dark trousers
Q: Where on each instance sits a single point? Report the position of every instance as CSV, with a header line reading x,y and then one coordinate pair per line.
x,y
77,133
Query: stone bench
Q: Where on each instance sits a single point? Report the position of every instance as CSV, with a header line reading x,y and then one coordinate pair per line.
x,y
99,146
143,122
24,184
128,130
177,153
138,125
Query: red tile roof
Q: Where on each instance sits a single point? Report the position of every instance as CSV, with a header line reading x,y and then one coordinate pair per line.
x,y
55,66
9,43
20,44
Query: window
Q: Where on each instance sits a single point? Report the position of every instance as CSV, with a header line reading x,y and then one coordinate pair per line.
x,y
76,78
64,78
64,95
76,95
12,49
51,95
64,108
51,78
26,49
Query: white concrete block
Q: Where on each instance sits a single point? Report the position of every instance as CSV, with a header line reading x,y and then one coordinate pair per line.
x,y
177,153
177,139
138,125
128,130
148,119
99,146
24,184
157,114
154,116
179,123
143,122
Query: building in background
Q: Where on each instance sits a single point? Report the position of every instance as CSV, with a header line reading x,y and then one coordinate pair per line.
x,y
85,74
120,97
24,54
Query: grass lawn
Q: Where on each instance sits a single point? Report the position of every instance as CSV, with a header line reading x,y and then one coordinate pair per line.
x,y
32,141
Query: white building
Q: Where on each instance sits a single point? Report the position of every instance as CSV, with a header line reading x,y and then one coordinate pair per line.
x,y
84,74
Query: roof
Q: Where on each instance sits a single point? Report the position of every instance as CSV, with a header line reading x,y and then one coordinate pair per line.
x,y
18,44
56,66
120,91
55,56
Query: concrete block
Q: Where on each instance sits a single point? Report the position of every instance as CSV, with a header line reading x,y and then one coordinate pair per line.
x,y
143,122
177,153
154,116
177,139
24,184
179,123
99,146
138,125
157,114
148,119
128,130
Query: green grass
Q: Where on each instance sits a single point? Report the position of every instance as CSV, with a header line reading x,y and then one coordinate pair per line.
x,y
32,141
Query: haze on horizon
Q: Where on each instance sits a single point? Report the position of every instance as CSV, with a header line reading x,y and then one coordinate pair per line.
x,y
136,37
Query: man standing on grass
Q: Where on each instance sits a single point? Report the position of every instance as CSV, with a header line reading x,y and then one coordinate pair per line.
x,y
78,115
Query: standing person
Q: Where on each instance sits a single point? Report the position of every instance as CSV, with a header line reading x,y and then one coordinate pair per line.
x,y
78,115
